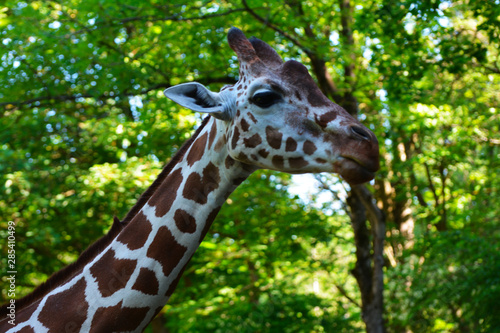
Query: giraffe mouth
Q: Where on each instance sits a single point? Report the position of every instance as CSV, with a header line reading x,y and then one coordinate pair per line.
x,y
355,171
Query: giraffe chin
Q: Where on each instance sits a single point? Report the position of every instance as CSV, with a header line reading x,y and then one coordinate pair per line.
x,y
353,172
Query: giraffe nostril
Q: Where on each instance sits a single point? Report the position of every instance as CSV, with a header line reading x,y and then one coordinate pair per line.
x,y
361,133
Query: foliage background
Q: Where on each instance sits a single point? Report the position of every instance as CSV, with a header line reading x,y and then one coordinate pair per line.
x,y
85,129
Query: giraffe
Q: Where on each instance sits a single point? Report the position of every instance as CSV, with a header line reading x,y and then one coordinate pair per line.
x,y
274,117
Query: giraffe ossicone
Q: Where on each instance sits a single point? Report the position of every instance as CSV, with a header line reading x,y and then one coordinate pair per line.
x,y
274,117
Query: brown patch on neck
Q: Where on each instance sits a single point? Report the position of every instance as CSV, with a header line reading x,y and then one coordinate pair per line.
x,y
220,143
70,305
146,282
235,138
213,134
117,319
163,199
198,188
175,282
136,233
184,221
208,223
197,150
166,250
112,274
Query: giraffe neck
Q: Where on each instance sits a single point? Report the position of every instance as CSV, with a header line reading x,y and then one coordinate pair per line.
x,y
128,283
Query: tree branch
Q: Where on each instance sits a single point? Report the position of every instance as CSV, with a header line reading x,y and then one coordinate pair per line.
x,y
431,184
343,292
153,18
271,25
63,98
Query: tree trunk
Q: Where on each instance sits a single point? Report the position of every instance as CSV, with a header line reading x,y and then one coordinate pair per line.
x,y
369,268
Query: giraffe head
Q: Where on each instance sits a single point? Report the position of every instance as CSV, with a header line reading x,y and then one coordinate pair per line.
x,y
277,118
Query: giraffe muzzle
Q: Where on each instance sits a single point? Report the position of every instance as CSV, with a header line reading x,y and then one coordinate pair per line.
x,y
353,172
360,159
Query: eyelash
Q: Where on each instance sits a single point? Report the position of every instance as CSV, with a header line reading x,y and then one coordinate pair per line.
x,y
265,99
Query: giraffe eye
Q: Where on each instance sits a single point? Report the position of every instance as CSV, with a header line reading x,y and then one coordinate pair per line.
x,y
265,99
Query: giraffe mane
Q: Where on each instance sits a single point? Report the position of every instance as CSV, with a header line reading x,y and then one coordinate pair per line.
x,y
87,255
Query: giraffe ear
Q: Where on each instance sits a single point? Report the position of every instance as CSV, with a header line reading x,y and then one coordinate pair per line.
x,y
197,97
